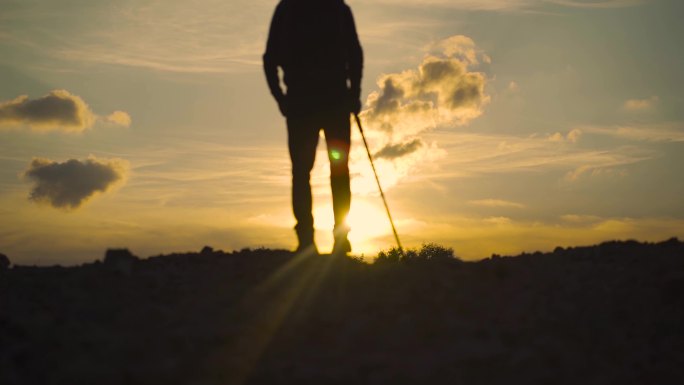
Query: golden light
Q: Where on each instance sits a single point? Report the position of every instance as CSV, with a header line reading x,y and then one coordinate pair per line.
x,y
367,221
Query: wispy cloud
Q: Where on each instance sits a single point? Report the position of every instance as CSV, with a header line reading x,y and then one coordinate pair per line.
x,y
59,110
496,203
472,154
393,151
515,5
120,118
164,59
598,3
168,174
658,132
202,36
482,5
641,104
573,136
190,36
476,238
577,218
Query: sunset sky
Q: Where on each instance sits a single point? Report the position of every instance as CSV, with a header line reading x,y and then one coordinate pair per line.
x,y
499,126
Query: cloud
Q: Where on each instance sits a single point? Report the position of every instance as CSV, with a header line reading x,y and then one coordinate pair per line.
x,y
576,218
515,5
598,3
664,132
59,110
498,220
572,137
513,87
172,36
120,118
479,237
71,183
597,171
477,154
640,104
496,203
442,90
393,151
480,5
459,47
181,36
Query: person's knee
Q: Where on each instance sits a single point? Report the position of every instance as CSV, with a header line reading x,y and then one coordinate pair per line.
x,y
301,176
339,170
339,160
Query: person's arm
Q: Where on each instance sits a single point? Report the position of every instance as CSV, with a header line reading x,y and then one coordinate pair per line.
x,y
272,58
355,61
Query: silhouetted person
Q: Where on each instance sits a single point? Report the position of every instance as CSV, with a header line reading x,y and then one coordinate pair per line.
x,y
315,44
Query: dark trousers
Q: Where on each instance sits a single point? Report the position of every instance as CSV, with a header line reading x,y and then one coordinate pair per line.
x,y
303,131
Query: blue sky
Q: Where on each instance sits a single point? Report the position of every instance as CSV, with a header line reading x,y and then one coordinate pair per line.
x,y
575,135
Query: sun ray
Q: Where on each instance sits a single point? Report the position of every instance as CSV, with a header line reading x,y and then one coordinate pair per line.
x,y
289,289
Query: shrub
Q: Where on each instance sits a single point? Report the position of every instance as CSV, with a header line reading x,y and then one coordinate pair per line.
x,y
392,255
429,252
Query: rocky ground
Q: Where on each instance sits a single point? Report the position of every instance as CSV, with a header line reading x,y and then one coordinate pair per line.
x,y
607,314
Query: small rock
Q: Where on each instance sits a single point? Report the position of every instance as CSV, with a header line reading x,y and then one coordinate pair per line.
x,y
120,260
4,262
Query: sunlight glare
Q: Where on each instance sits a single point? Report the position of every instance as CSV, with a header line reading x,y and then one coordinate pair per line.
x,y
366,220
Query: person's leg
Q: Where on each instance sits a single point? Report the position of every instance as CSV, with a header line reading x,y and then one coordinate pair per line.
x,y
338,138
302,142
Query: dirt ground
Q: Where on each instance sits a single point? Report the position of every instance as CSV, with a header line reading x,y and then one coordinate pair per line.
x,y
606,314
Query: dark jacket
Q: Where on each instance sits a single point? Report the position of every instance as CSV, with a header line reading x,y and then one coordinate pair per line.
x,y
316,45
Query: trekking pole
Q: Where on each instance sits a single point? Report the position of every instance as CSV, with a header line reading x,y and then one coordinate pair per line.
x,y
382,194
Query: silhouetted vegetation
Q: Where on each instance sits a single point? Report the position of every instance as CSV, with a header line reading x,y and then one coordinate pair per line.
x,y
429,252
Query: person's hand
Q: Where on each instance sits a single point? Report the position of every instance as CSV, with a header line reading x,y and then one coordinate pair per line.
x,y
354,102
282,105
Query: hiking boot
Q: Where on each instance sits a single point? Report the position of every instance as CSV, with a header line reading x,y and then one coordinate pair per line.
x,y
306,241
307,249
342,246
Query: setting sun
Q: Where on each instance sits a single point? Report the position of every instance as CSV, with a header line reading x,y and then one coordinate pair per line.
x,y
367,222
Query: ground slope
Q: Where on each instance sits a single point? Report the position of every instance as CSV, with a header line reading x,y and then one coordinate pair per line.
x,y
606,314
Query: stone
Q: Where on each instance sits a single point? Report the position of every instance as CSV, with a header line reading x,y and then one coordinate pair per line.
x,y
4,262
120,260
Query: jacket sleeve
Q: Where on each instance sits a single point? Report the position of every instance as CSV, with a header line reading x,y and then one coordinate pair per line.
x,y
272,57
354,55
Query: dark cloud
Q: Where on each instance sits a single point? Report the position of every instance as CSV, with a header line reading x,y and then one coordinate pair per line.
x,y
435,71
469,93
389,100
393,151
69,184
58,110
